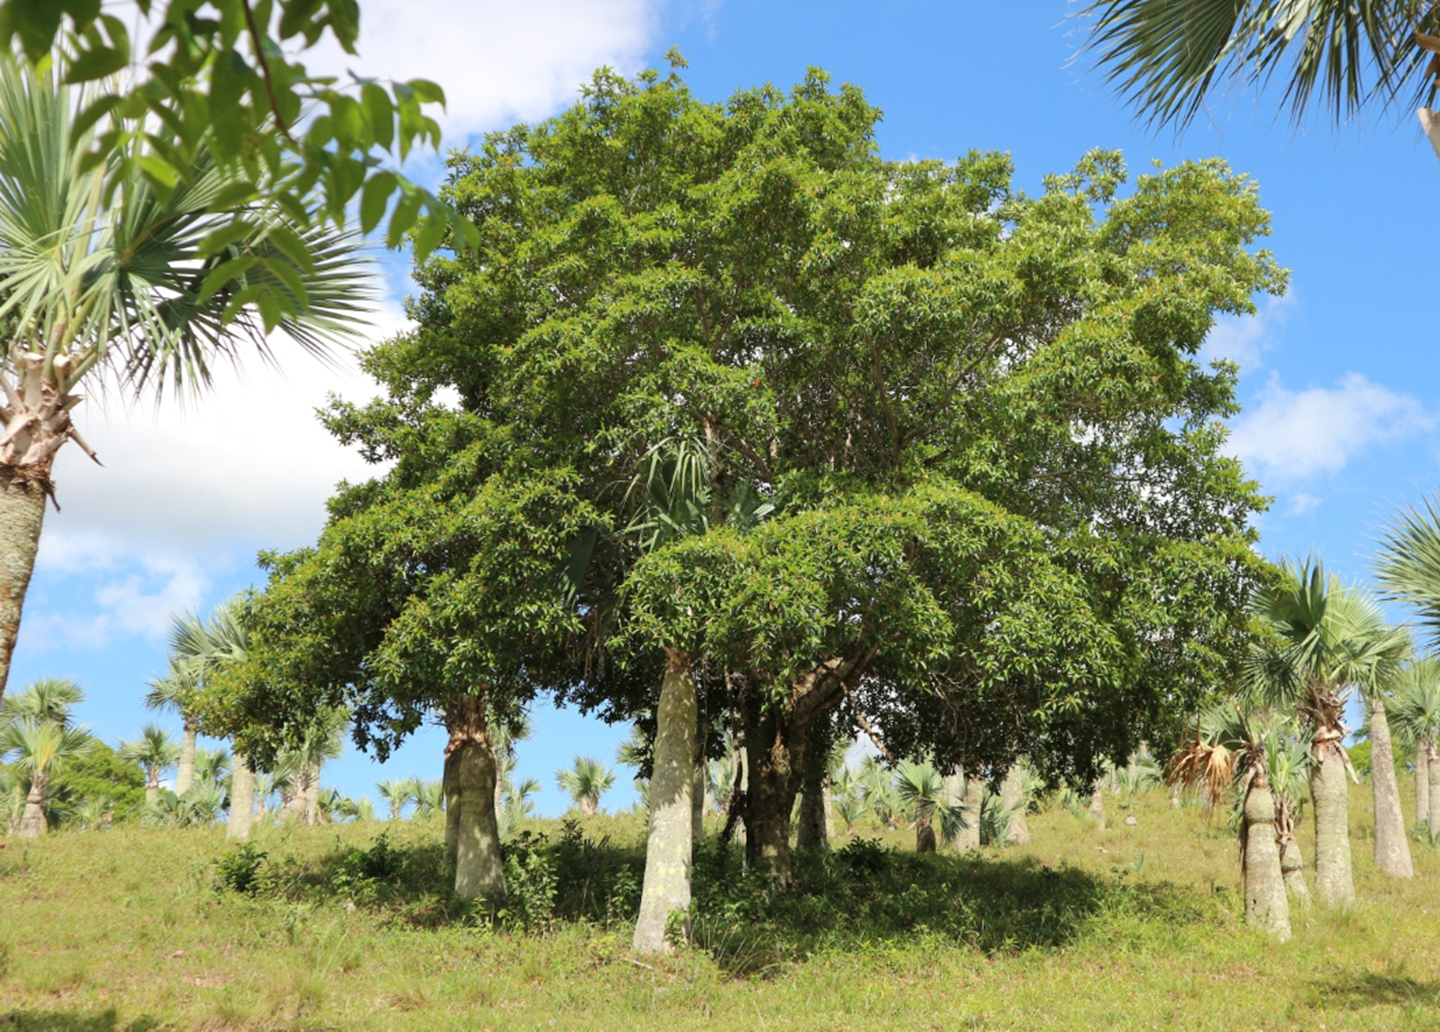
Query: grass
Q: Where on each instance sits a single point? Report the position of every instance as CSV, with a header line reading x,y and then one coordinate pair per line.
x,y
1135,927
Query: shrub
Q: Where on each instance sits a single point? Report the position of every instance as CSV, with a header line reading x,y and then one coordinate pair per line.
x,y
242,870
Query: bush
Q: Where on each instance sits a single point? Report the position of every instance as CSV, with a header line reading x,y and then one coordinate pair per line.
x,y
242,870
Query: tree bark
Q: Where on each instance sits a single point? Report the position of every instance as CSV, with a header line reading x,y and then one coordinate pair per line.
x,y
810,833
1292,869
152,791
1174,797
1432,770
1266,906
669,848
1392,838
22,513
451,781
295,804
697,804
185,771
1012,797
312,795
1422,783
972,804
479,868
242,798
33,823
1097,804
1334,883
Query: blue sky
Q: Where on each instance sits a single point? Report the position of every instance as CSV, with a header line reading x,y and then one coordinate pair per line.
x,y
1340,424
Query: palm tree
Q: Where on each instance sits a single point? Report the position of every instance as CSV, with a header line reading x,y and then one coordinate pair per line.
x,y
104,278
518,805
921,792
299,765
47,700
175,691
1229,751
586,781
212,766
1168,56
396,792
429,797
40,748
1392,837
155,752
1325,637
1416,712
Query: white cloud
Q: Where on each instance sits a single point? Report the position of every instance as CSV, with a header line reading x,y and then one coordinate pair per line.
x,y
1294,434
1244,339
498,61
1302,503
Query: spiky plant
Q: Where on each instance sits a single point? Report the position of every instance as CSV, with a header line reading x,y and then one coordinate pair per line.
x,y
586,781
154,752
397,793
47,700
921,792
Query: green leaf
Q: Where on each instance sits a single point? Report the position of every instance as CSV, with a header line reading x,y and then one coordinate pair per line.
x,y
374,198
288,242
380,113
223,275
404,215
427,91
217,240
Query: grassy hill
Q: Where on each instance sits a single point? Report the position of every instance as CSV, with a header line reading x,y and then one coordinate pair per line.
x,y
336,927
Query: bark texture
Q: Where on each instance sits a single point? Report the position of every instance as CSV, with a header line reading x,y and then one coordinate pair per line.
x,y
312,795
1432,770
668,850
1392,839
1012,797
697,804
1422,783
450,779
972,799
479,869
22,513
1292,868
811,831
1334,884
242,798
32,822
185,770
1266,907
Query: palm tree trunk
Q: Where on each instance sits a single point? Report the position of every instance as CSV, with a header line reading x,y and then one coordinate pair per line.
x,y
33,823
1266,907
479,869
152,790
1292,869
972,802
1012,797
312,795
1392,840
1174,797
1334,883
185,770
450,779
1422,783
589,806
1097,803
668,849
1432,770
242,798
22,513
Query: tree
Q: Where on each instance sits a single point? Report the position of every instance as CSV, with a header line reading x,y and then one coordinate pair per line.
x,y
1230,749
105,277
1168,57
41,749
397,793
48,699
175,691
154,752
1392,836
921,791
1416,712
1327,638
586,781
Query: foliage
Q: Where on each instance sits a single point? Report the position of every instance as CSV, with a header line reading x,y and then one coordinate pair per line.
x,y
101,774
586,781
241,870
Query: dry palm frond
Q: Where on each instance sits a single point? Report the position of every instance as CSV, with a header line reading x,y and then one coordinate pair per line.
x,y
1207,767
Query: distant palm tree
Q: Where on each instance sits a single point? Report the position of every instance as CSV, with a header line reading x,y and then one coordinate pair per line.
x,y
1415,711
154,752
429,797
94,812
212,766
586,781
518,805
176,692
921,791
396,792
48,699
40,749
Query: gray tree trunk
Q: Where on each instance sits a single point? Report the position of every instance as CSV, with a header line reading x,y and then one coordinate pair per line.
x,y
1174,797
697,804
1334,883
152,791
242,798
1012,796
1292,868
668,850
294,807
479,869
22,513
1266,907
451,781
972,800
1432,770
1392,838
810,831
185,771
1422,783
32,823
312,795
1097,804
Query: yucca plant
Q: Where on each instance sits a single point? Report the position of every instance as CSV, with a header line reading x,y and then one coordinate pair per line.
x,y
518,805
429,797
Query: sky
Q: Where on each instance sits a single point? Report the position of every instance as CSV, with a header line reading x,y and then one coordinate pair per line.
x,y
1340,420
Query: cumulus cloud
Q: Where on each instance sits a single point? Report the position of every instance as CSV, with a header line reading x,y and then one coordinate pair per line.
x,y
1290,435
1244,339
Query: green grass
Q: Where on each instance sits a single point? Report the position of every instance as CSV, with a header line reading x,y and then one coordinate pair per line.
x,y
1131,928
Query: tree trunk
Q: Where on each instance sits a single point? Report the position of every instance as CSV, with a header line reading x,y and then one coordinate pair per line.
x,y
1174,797
668,848
1012,797
1292,869
295,803
185,771
242,798
152,791
479,869
589,806
697,804
1432,770
22,512
1334,884
451,781
1266,907
1097,804
924,836
312,795
972,805
33,824
810,833
1422,783
1392,838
